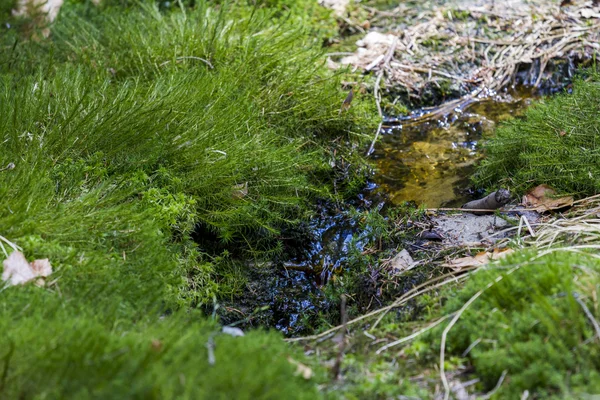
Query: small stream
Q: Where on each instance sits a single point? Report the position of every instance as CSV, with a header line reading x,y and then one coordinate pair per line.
x,y
428,162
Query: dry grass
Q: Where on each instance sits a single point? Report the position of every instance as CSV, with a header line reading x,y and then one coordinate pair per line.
x,y
481,47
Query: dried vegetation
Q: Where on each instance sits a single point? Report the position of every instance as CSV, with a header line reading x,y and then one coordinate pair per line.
x,y
478,48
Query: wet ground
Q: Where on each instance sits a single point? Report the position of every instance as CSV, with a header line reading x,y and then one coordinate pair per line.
x,y
425,162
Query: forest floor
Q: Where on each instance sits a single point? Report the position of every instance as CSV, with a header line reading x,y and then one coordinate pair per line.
x,y
176,172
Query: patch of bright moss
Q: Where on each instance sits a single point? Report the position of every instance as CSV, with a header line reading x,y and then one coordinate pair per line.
x,y
530,325
129,128
556,143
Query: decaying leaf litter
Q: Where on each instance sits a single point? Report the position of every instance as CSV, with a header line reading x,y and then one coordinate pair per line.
x,y
479,47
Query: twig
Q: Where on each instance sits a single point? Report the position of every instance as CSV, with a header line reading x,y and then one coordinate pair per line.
x,y
416,291
337,367
372,146
378,103
453,278
471,347
588,314
390,52
475,209
414,335
338,53
447,329
493,201
497,387
531,231
376,93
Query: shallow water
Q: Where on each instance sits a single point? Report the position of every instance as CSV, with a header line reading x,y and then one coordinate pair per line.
x,y
428,162
431,162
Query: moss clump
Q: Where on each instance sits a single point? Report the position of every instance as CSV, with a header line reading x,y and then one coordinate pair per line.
x,y
131,130
556,143
530,325
54,352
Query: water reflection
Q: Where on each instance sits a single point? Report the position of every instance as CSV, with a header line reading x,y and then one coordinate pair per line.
x,y
431,162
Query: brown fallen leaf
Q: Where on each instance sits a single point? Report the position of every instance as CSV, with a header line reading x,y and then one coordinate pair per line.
x,y
402,261
240,191
156,345
478,260
543,198
347,101
18,271
301,369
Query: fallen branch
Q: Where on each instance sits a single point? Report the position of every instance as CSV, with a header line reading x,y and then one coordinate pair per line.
x,y
493,201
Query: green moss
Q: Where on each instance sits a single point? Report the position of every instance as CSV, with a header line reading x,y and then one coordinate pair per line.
x,y
530,325
82,356
136,133
556,143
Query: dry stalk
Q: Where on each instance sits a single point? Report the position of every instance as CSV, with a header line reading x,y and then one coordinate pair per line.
x,y
414,335
411,294
436,45
588,314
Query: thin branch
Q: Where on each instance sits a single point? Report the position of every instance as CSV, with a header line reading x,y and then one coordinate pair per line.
x,y
447,329
588,314
189,58
414,335
497,387
372,146
376,93
416,291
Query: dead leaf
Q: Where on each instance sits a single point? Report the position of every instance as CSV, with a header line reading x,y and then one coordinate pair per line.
x,y
478,260
500,253
156,345
347,101
41,267
402,261
542,198
240,191
18,271
233,331
464,262
589,13
301,369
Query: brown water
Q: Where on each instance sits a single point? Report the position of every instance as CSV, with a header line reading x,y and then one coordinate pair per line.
x,y
430,162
